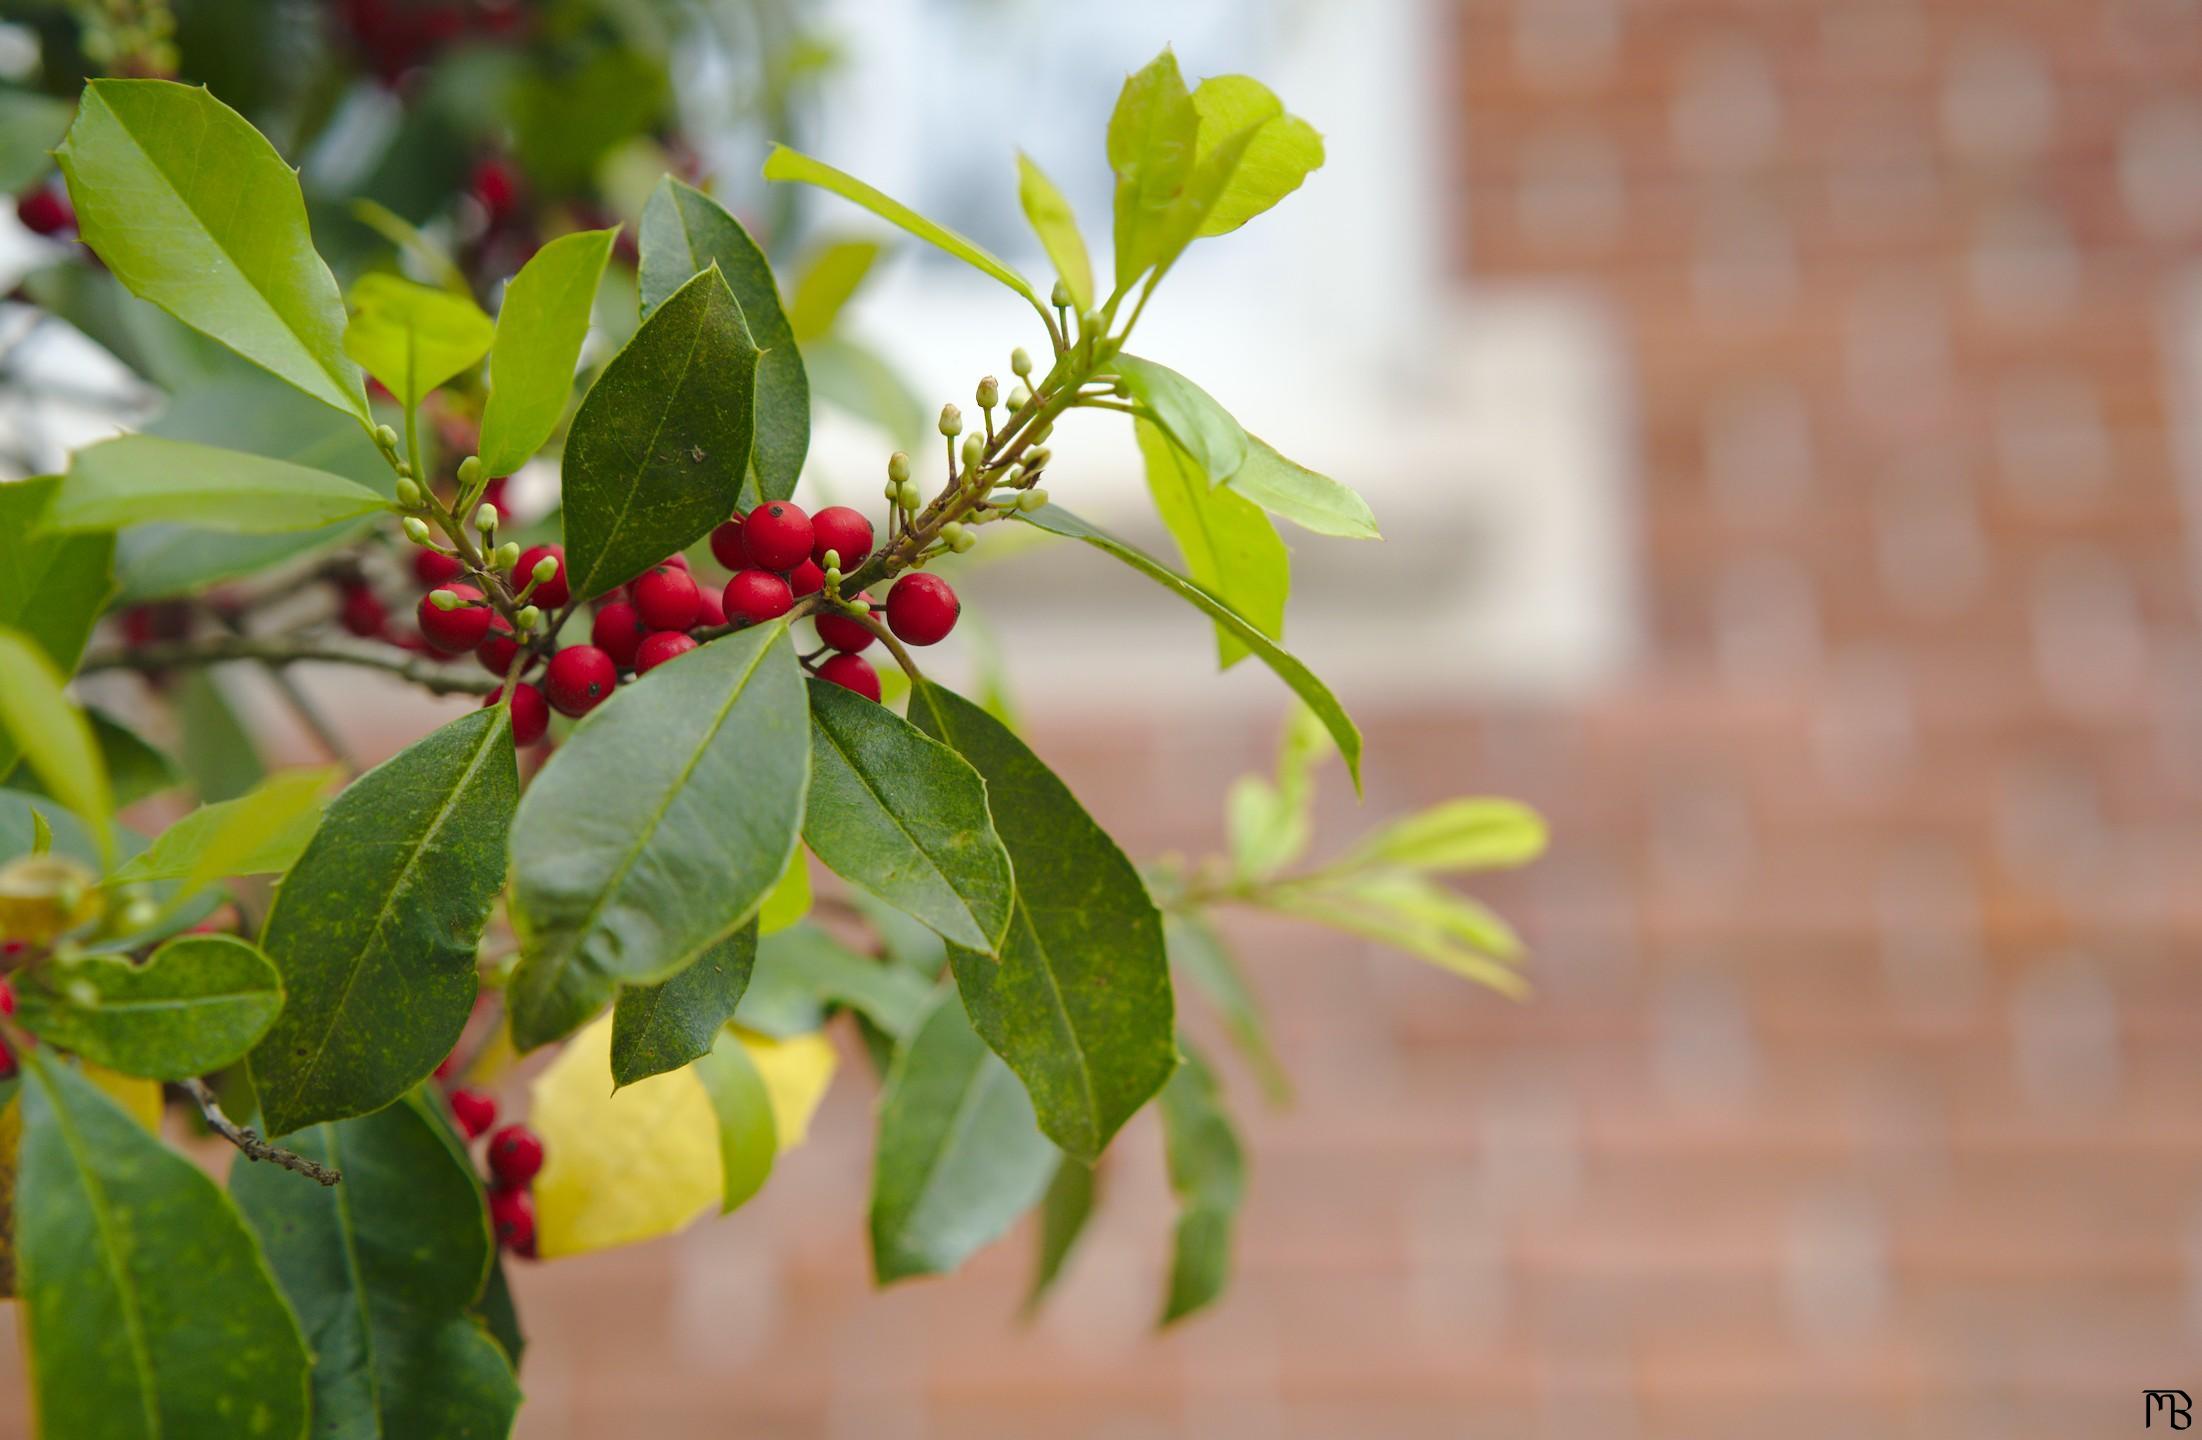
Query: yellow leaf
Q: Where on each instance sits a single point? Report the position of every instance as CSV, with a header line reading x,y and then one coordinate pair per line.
x,y
139,1099
796,1072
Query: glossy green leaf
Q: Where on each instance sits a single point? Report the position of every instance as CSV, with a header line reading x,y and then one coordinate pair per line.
x,y
52,735
959,1154
800,973
375,928
540,327
1208,1176
1049,212
196,1006
1228,544
259,833
631,882
661,1027
383,1270
1203,429
30,125
684,233
134,479
193,210
1198,953
658,450
1280,150
898,813
52,585
412,337
829,281
1079,1004
150,1311
1153,135
1296,493
1414,914
1057,521
1064,1213
749,1134
786,164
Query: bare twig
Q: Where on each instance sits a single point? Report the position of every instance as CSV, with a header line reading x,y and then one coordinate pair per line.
x,y
430,675
248,1140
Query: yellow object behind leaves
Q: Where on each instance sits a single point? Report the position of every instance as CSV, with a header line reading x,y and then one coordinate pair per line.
x,y
139,1099
796,1071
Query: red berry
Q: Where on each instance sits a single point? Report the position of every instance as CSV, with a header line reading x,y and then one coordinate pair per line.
x,y
361,611
659,648
497,185
777,535
553,592
755,596
475,1110
460,628
708,609
922,609
843,633
665,598
851,672
512,1215
530,713
578,679
497,650
515,1154
676,561
7,996
164,620
617,630
433,567
843,531
45,211
727,547
7,1062
806,579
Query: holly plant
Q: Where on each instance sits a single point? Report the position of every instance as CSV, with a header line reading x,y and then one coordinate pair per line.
x,y
601,878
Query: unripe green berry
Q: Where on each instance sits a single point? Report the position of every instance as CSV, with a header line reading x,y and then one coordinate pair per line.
x,y
898,467
416,530
1020,364
951,421
911,498
386,437
443,599
405,470
470,469
952,532
1059,297
529,616
485,519
974,450
833,562
507,556
1032,499
963,541
409,493
892,490
1019,397
990,393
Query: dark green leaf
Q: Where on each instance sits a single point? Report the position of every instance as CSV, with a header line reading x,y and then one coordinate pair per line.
x,y
1203,429
52,586
1079,1004
1198,952
749,1134
684,233
375,928
411,337
497,1311
384,1269
903,816
959,1155
1064,1211
1057,521
1208,1175
1228,544
150,1311
659,448
829,280
662,1027
540,327
52,735
630,880
196,1006
1152,138
195,211
135,479
1057,226
1311,501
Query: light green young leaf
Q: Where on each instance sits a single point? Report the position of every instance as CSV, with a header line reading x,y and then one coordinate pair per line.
x,y
42,834
1414,914
261,833
684,233
52,586
1270,824
749,1133
1057,521
1208,1176
1153,136
413,338
408,239
136,479
195,211
1203,429
375,928
959,1155
1198,952
1280,152
1079,1003
1228,544
1053,221
1458,835
53,736
661,1027
827,284
1296,493
540,328
1064,1211
801,972
124,1340
196,1006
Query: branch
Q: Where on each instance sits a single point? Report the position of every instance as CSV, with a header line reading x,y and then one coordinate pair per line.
x,y
248,1140
435,677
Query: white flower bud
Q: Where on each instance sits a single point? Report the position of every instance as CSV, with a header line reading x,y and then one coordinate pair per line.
x,y
963,541
1020,364
470,469
1059,297
409,493
898,467
485,519
1032,499
507,556
990,393
974,450
545,571
951,421
529,617
416,530
1019,397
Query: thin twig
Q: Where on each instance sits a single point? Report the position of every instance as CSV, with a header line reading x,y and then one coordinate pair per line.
x,y
432,676
248,1140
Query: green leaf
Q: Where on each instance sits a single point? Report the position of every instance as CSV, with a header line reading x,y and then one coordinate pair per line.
x,y
133,479
1280,152
1203,429
898,813
193,210
1296,493
260,833
856,379
630,881
411,337
53,736
135,768
383,1270
1198,952
1465,834
42,834
1057,521
375,927
749,1134
1208,1176
789,899
30,125
1153,134
1064,1211
798,974
1079,1004
658,450
52,586
218,751
1270,825
540,327
150,1311
1228,544
1057,226
1416,915
684,233
786,164
496,1311
656,1028
197,1005
828,282
959,1154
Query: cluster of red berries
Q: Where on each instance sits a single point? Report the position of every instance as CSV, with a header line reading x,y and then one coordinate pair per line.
x,y
396,35
515,1155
